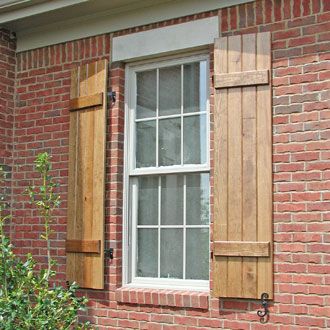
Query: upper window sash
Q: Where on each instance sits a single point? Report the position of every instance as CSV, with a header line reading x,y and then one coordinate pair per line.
x,y
133,121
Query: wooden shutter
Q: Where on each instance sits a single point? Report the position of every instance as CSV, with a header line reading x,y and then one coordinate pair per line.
x,y
242,235
85,227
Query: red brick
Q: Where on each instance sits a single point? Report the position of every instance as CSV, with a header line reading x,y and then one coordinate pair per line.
x,y
316,6
296,8
310,321
233,17
318,28
305,196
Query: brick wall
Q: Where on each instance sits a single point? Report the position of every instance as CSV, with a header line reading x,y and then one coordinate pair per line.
x,y
7,81
7,88
301,126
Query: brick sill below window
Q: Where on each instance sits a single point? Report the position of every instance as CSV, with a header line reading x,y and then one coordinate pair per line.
x,y
161,297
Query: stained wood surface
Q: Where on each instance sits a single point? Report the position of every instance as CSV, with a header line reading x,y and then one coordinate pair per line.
x,y
220,228
264,165
242,168
85,246
86,175
234,188
238,79
249,169
86,102
241,249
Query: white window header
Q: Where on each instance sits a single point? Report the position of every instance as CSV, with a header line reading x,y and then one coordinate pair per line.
x,y
166,39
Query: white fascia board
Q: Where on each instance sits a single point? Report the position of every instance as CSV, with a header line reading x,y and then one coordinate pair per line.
x,y
36,9
167,39
109,22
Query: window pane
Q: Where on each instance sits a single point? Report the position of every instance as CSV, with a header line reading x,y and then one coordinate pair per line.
x,y
197,255
172,200
194,87
146,94
191,87
147,256
194,139
169,141
171,253
148,200
197,199
170,90
146,143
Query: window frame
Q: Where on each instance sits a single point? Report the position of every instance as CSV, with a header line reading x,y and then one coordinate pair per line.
x,y
129,171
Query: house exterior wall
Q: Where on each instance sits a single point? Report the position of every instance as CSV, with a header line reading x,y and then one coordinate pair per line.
x,y
7,89
7,81
301,150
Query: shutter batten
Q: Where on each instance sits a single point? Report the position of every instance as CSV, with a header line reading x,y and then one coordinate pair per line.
x,y
86,101
248,78
85,228
242,236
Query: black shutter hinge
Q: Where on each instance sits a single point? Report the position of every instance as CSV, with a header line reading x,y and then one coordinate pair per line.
x,y
112,96
108,253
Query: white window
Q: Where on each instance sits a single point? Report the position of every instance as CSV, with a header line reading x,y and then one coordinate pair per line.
x,y
166,241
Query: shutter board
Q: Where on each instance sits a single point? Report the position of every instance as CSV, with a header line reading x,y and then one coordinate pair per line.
x,y
86,101
86,173
242,168
241,249
79,246
225,80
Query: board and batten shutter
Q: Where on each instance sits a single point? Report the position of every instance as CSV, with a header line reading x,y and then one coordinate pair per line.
x,y
242,232
85,224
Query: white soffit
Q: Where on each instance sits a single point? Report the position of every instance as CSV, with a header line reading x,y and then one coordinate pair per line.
x,y
166,39
95,23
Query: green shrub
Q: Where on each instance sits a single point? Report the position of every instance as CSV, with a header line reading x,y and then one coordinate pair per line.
x,y
27,299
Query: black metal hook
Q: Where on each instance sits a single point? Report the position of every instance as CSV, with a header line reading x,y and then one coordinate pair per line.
x,y
109,253
112,96
264,314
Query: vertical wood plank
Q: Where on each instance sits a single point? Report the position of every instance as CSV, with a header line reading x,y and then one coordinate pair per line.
x,y
234,285
264,164
88,201
72,194
220,169
80,183
99,171
249,265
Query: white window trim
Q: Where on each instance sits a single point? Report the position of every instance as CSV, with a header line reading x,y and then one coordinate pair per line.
x,y
131,69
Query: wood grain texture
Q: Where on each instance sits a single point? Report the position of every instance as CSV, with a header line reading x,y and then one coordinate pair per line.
x,y
72,178
242,267
249,171
83,246
239,79
89,101
220,169
264,165
86,175
234,281
241,249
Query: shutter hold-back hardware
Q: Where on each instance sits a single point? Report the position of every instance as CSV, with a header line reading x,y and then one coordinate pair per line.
x,y
108,253
112,96
264,314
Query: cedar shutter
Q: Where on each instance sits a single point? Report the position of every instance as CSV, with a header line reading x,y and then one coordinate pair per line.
x,y
242,235
85,227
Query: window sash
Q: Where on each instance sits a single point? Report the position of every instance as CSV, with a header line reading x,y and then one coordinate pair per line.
x,y
185,226
130,229
132,120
